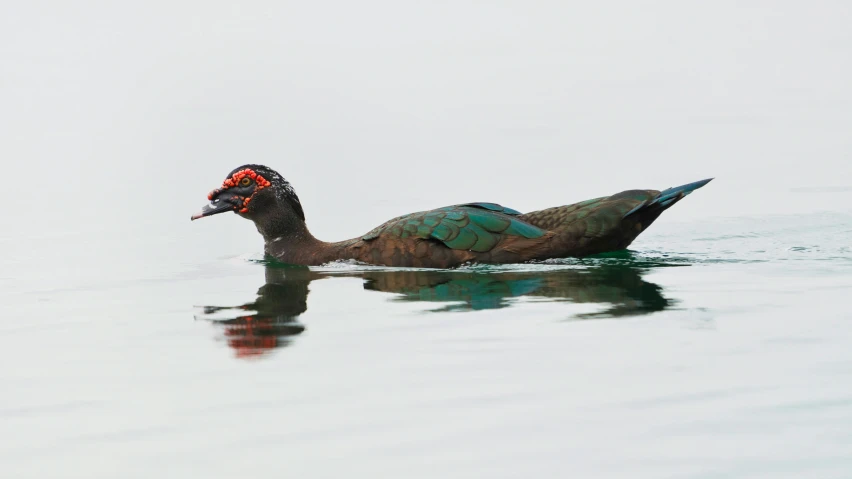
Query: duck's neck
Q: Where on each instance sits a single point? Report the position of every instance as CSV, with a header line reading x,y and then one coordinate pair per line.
x,y
288,239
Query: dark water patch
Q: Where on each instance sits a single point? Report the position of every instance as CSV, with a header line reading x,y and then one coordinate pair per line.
x,y
729,237
691,397
815,406
61,407
822,189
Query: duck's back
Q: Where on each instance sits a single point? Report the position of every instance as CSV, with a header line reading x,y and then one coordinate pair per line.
x,y
450,236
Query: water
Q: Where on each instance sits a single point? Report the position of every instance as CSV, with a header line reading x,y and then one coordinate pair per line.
x,y
718,348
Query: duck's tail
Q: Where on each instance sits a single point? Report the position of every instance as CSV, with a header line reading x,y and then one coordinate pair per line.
x,y
668,197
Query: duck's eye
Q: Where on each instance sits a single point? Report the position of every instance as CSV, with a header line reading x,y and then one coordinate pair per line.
x,y
245,182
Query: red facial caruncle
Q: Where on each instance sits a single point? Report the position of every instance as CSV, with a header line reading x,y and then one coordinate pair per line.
x,y
242,178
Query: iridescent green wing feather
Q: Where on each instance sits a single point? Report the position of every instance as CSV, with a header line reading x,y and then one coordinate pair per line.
x,y
473,226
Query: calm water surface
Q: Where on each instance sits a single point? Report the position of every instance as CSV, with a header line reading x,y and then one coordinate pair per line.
x,y
720,348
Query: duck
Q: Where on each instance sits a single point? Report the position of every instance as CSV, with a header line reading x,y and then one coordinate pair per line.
x,y
445,237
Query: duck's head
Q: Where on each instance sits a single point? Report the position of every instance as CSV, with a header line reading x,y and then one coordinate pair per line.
x,y
258,193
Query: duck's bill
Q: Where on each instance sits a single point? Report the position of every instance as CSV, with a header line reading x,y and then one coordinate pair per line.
x,y
214,208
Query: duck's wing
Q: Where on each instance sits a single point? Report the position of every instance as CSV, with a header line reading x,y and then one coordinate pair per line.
x,y
472,226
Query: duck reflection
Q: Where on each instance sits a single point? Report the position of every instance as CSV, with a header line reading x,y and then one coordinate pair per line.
x,y
271,320
622,290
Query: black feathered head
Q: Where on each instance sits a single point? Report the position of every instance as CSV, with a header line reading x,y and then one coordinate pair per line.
x,y
252,190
